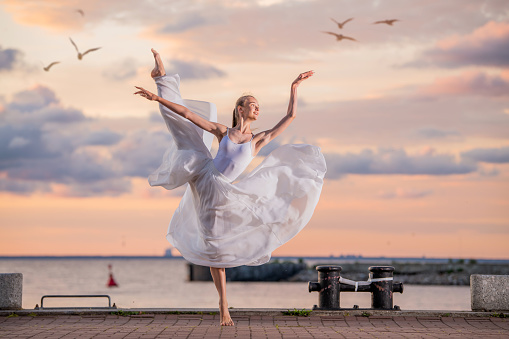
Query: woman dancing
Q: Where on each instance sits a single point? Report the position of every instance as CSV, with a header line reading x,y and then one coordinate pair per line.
x,y
220,223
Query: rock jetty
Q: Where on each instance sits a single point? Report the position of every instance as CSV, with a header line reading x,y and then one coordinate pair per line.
x,y
452,273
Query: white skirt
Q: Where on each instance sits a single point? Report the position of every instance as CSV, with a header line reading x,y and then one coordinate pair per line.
x,y
224,224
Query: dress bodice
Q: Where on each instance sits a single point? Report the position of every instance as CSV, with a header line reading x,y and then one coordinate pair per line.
x,y
232,159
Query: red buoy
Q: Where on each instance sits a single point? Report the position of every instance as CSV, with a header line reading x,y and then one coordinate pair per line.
x,y
111,281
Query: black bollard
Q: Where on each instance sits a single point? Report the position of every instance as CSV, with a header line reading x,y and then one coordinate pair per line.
x,y
381,290
327,287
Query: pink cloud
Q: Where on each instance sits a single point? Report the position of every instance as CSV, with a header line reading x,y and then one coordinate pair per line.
x,y
63,16
403,193
491,31
468,83
488,45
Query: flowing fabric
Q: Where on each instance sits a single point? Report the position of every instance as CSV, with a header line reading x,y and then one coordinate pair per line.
x,y
223,224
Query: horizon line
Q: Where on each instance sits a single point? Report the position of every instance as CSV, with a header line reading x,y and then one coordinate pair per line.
x,y
346,257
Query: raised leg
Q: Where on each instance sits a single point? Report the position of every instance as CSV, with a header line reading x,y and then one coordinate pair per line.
x,y
182,130
219,277
158,70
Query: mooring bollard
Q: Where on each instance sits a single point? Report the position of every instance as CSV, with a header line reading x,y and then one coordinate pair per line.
x,y
380,284
381,278
327,287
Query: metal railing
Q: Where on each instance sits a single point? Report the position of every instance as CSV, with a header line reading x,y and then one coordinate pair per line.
x,y
76,296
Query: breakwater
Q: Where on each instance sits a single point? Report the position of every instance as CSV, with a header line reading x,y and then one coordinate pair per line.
x,y
452,273
273,271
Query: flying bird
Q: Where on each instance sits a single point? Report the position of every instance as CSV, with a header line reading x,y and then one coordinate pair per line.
x,y
50,65
340,37
388,22
81,55
81,12
341,24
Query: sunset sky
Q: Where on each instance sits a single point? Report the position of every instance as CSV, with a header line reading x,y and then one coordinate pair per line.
x,y
413,119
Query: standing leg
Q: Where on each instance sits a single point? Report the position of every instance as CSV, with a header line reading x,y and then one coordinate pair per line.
x,y
219,277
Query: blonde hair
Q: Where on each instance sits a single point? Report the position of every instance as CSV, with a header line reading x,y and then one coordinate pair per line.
x,y
240,102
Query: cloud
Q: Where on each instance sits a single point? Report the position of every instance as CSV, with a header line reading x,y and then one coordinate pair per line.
x,y
156,117
43,143
39,105
486,46
9,58
103,137
184,23
435,133
122,70
110,187
77,167
194,69
141,153
390,161
61,15
401,193
30,127
286,31
469,83
22,187
491,172
402,119
19,143
246,31
488,155
32,99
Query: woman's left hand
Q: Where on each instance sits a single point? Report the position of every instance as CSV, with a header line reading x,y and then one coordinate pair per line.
x,y
302,77
146,94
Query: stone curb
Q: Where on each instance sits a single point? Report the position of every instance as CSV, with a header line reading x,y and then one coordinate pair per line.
x,y
252,312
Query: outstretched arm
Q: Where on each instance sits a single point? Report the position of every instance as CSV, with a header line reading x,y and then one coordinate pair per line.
x,y
213,127
265,137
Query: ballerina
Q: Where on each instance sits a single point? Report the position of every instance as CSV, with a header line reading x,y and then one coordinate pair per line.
x,y
220,223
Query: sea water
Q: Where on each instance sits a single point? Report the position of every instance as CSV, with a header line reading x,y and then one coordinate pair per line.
x,y
163,283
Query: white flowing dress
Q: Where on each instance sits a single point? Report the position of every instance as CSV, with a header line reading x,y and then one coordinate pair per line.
x,y
219,223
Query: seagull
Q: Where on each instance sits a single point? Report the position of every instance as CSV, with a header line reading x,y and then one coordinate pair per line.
x,y
81,12
80,55
340,37
388,22
49,66
341,24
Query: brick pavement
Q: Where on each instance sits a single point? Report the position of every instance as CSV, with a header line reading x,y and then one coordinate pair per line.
x,y
249,326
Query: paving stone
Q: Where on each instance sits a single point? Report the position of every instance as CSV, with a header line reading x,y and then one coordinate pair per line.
x,y
256,327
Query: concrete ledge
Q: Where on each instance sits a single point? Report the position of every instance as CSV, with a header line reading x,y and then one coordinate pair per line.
x,y
239,312
11,290
489,292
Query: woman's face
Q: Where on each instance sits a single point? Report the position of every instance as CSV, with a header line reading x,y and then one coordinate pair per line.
x,y
250,110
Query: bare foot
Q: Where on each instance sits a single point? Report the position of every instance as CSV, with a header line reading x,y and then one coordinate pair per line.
x,y
226,320
158,70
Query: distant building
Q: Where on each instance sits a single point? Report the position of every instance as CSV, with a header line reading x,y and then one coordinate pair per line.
x,y
168,253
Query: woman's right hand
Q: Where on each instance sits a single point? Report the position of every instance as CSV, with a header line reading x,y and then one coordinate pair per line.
x,y
302,77
146,94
